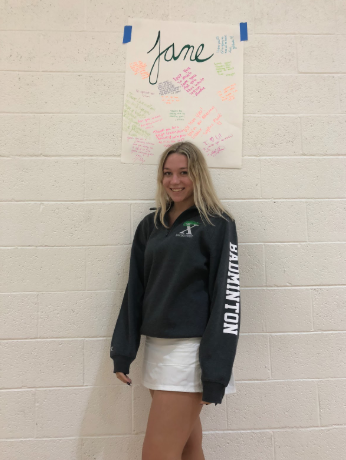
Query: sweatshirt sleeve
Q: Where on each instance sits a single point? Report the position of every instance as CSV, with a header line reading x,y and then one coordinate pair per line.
x,y
126,336
219,341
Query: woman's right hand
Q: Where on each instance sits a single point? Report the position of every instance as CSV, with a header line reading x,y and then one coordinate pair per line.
x,y
123,377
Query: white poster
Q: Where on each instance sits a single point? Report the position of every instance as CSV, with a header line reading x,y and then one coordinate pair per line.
x,y
183,82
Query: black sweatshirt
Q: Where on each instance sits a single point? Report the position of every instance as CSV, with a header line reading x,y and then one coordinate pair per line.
x,y
183,282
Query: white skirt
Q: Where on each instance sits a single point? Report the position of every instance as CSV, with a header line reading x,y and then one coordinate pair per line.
x,y
173,365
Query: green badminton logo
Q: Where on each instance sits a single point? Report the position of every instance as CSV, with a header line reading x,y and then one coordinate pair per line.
x,y
189,224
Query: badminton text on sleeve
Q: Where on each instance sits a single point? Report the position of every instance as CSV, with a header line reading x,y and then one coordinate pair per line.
x,y
231,317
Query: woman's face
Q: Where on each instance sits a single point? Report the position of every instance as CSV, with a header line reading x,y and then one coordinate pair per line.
x,y
175,176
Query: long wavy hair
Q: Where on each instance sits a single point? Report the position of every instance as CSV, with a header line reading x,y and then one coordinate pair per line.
x,y
205,198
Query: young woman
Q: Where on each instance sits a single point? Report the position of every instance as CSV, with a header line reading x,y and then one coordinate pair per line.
x,y
183,295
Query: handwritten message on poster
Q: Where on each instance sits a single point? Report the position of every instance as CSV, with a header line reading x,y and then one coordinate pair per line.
x,y
183,82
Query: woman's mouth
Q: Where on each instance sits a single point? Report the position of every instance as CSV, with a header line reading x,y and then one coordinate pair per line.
x,y
177,190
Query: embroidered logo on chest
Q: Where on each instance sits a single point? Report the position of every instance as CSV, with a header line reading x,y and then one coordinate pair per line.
x,y
187,233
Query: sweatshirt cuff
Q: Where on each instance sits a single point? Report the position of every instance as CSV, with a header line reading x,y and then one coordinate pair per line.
x,y
213,392
121,364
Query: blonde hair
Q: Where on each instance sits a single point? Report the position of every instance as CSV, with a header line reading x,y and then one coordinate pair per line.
x,y
205,198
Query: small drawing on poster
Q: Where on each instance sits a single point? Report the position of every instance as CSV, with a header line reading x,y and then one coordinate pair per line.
x,y
139,69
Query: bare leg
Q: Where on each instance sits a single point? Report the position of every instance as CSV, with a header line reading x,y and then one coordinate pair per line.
x,y
193,448
172,418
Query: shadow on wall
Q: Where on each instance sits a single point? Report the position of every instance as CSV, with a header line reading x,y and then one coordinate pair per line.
x,y
111,409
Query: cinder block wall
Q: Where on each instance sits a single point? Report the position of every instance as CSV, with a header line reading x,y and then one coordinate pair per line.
x,y
69,209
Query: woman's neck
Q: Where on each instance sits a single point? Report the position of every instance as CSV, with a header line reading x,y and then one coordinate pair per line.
x,y
180,206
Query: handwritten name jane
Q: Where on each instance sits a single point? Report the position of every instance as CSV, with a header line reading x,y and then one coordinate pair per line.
x,y
165,54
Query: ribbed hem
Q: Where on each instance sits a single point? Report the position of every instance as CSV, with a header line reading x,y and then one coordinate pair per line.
x,y
121,364
213,392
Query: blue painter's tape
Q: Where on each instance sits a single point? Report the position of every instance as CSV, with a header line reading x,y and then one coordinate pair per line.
x,y
127,34
243,31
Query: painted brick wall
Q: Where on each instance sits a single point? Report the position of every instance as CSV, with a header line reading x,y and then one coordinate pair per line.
x,y
69,209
